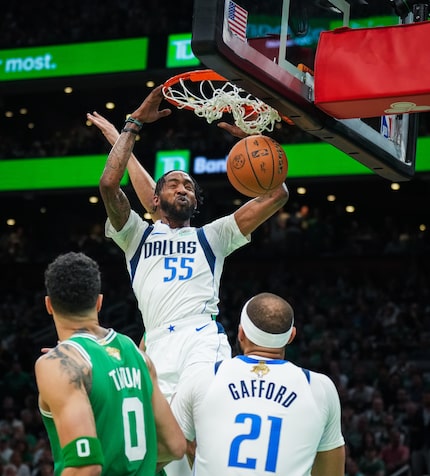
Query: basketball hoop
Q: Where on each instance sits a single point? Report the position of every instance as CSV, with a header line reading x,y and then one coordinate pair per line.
x,y
210,95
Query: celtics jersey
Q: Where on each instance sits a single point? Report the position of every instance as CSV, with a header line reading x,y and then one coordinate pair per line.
x,y
120,396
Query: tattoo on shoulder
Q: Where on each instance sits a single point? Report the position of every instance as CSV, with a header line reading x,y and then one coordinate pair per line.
x,y
71,364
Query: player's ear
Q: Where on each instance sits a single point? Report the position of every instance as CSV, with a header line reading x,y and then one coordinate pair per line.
x,y
48,304
99,302
293,335
155,203
240,333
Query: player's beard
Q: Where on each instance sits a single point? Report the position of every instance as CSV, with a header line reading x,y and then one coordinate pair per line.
x,y
176,211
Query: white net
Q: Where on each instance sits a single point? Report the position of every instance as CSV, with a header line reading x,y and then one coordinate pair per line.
x,y
210,102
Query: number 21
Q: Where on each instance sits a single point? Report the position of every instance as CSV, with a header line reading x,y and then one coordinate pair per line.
x,y
254,433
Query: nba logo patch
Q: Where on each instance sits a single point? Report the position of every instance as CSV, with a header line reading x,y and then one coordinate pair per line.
x,y
386,126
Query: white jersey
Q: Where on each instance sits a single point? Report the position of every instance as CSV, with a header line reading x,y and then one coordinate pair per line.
x,y
258,417
175,273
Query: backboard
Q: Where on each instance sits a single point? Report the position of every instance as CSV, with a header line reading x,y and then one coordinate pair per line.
x,y
259,46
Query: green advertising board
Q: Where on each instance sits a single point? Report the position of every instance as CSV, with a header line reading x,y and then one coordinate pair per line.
x,y
304,161
74,60
54,173
166,160
179,52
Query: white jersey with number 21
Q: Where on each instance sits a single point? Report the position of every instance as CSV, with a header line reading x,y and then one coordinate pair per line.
x,y
257,417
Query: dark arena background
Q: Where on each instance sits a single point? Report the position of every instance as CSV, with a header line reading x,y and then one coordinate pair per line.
x,y
350,250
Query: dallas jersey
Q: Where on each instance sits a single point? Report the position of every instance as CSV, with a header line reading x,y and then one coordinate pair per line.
x,y
121,395
175,273
256,417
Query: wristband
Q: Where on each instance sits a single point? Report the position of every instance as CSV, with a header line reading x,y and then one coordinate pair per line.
x,y
134,121
129,129
83,451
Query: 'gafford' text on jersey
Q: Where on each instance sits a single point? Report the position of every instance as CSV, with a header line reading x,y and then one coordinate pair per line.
x,y
170,266
265,417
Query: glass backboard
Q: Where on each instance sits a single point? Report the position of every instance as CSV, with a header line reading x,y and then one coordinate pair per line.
x,y
261,47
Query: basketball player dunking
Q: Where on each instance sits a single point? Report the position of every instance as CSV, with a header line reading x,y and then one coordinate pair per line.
x,y
175,268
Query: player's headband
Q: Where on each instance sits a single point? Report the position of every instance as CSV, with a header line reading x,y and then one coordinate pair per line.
x,y
262,338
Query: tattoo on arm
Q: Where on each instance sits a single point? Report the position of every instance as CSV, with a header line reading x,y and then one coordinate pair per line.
x,y
115,201
120,155
114,163
72,365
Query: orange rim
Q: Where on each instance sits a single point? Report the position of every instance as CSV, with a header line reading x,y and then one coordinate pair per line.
x,y
193,76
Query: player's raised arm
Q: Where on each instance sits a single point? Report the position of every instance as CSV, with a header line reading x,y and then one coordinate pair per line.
x,y
143,183
106,128
255,165
116,203
256,211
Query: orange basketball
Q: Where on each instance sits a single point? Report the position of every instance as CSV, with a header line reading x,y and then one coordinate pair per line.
x,y
256,165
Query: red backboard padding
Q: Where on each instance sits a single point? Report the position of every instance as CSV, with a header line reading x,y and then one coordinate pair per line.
x,y
371,72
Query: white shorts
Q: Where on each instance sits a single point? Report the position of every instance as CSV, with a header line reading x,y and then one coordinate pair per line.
x,y
175,347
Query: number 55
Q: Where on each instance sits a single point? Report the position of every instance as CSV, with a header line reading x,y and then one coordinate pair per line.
x,y
180,270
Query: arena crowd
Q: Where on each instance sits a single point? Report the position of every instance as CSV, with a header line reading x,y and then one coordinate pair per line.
x,y
361,293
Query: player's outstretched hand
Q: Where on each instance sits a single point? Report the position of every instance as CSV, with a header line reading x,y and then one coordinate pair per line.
x,y
149,110
107,128
233,129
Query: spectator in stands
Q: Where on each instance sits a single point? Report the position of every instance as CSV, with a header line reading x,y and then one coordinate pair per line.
x,y
351,468
361,393
395,455
399,407
419,435
339,377
371,463
18,382
389,427
376,416
5,449
43,469
22,469
417,387
294,231
276,232
10,470
368,441
42,455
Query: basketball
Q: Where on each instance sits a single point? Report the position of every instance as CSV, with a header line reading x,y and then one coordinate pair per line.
x,y
256,165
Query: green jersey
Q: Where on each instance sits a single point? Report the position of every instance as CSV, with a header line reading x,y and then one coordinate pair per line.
x,y
121,400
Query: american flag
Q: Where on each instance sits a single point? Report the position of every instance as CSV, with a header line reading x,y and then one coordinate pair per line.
x,y
237,20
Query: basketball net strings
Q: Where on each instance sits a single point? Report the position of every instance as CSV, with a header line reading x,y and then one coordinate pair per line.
x,y
250,114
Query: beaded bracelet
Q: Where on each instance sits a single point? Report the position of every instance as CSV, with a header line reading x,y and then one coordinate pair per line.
x,y
134,121
129,129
